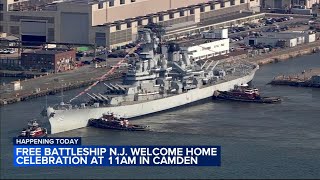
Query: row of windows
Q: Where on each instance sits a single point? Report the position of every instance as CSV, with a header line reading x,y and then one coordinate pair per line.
x,y
111,2
151,20
120,36
206,48
209,15
15,18
177,21
204,15
40,61
100,35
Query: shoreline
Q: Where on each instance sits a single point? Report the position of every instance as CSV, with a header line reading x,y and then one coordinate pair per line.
x,y
287,54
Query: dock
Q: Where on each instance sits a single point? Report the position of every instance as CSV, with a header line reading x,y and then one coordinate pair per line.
x,y
50,84
307,78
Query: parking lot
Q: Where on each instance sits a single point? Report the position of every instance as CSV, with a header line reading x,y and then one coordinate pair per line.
x,y
267,24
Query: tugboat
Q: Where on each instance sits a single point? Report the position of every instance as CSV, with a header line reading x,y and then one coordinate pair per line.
x,y
244,94
111,121
33,130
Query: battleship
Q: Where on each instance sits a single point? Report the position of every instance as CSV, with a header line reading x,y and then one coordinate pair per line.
x,y
160,76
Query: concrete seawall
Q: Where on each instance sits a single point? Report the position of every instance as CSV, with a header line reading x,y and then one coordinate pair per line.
x,y
14,99
285,54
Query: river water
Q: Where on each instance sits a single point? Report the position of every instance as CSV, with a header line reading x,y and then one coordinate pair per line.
x,y
257,140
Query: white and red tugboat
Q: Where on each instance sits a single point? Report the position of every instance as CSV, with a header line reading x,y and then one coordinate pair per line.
x,y
33,130
244,94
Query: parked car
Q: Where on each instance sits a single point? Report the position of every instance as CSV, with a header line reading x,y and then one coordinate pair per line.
x,y
98,60
11,51
43,70
269,22
86,62
112,55
5,51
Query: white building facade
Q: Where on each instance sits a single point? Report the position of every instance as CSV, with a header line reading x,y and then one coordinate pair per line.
x,y
292,38
214,43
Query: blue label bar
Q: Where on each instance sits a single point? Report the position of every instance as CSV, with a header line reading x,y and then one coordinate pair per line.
x,y
47,141
117,156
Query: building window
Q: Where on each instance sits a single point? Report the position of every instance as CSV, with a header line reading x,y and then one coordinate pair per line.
x,y
122,1
222,5
241,1
100,5
232,2
139,22
191,11
161,18
202,9
133,0
212,7
118,27
150,20
14,29
50,34
1,28
1,7
251,0
181,13
18,18
129,25
111,3
171,15
100,35
1,16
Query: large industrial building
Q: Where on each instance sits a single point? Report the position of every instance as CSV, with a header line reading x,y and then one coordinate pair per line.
x,y
111,23
281,4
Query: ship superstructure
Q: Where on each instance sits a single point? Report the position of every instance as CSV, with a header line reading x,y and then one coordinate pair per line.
x,y
159,77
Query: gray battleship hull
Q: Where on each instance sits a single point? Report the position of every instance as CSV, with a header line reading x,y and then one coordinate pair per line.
x,y
66,120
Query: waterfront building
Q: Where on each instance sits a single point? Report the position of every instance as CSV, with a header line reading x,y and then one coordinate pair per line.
x,y
280,4
286,39
110,23
50,60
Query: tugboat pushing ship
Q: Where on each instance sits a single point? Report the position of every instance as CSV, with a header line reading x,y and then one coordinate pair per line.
x,y
110,121
159,77
33,130
244,94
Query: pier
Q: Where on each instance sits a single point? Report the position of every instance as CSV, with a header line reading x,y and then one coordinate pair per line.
x,y
50,84
307,78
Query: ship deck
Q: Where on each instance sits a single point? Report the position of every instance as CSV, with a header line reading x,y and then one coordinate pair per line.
x,y
242,68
